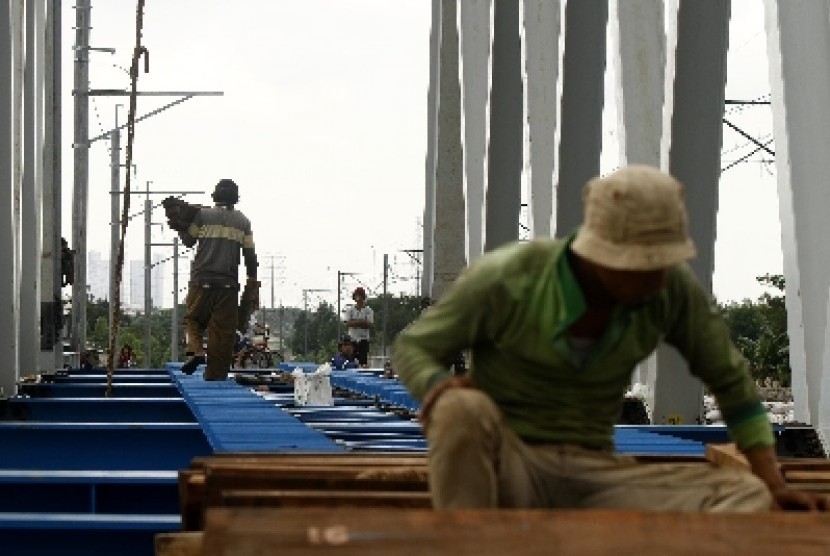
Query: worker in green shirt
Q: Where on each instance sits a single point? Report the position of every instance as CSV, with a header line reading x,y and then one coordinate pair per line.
x,y
555,328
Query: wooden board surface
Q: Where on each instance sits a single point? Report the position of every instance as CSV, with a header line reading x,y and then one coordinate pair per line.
x,y
302,531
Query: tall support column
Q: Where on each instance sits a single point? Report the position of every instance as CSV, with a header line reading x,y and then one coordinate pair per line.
x,y
80,193
475,68
542,29
583,74
504,155
640,58
51,309
798,40
639,36
449,256
115,215
174,326
432,140
694,142
9,316
30,200
148,292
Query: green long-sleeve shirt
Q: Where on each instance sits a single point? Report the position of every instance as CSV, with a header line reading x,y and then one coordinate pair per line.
x,y
512,309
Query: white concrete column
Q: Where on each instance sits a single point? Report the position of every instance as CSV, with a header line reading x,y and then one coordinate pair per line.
x,y
798,43
30,208
504,154
640,58
583,74
50,290
9,311
474,20
432,139
449,256
694,138
542,30
639,36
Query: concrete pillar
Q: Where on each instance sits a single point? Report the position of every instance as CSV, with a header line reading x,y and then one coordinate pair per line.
x,y
542,29
30,205
9,310
583,74
432,138
504,155
693,140
640,58
474,20
639,36
798,43
448,256
80,194
50,289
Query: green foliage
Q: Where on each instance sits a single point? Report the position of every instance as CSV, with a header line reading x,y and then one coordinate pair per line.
x,y
759,331
319,341
132,332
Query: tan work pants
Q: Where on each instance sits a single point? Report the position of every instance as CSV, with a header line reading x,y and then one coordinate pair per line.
x,y
214,309
475,461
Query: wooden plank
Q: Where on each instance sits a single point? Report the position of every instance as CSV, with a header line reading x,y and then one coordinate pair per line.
x,y
726,455
355,458
361,532
178,544
325,498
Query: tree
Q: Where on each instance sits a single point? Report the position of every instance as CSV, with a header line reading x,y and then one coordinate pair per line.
x,y
759,331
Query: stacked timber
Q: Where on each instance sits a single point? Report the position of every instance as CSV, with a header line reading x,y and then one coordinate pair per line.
x,y
363,504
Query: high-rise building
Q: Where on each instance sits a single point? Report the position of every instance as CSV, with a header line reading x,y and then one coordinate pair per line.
x,y
98,270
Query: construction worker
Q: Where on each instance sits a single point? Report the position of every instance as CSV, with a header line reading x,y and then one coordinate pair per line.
x,y
359,320
556,326
222,232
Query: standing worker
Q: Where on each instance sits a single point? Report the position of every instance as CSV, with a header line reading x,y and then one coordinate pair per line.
x,y
556,327
359,319
213,291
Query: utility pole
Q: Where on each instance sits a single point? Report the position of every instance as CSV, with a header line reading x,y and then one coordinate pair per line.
x,y
80,146
415,255
148,265
305,314
385,300
339,311
174,325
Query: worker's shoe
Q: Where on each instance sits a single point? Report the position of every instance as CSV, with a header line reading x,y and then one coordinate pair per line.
x,y
190,365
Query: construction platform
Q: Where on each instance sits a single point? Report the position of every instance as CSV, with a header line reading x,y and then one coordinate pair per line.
x,y
87,473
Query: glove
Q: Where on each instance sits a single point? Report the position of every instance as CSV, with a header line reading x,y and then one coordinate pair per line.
x,y
179,213
248,304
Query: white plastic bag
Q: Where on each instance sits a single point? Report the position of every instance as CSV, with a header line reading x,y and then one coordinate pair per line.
x,y
313,388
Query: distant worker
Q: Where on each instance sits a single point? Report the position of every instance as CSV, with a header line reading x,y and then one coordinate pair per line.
x,y
222,232
67,264
126,358
359,320
556,327
344,358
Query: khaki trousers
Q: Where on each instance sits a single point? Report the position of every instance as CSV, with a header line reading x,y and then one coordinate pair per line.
x,y
475,461
214,309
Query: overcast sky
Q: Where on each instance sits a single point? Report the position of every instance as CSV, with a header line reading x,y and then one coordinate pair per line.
x,y
323,126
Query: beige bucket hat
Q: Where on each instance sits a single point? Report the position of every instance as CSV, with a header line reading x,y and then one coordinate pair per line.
x,y
635,219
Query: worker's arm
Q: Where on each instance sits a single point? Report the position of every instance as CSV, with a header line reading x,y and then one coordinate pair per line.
x,y
764,464
189,235
461,319
699,332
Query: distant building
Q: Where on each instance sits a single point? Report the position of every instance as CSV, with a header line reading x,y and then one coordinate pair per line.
x,y
156,282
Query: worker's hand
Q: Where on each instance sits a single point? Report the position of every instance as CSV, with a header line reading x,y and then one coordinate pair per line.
x,y
788,499
435,393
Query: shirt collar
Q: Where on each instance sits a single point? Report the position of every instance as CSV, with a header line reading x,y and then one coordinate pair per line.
x,y
573,300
